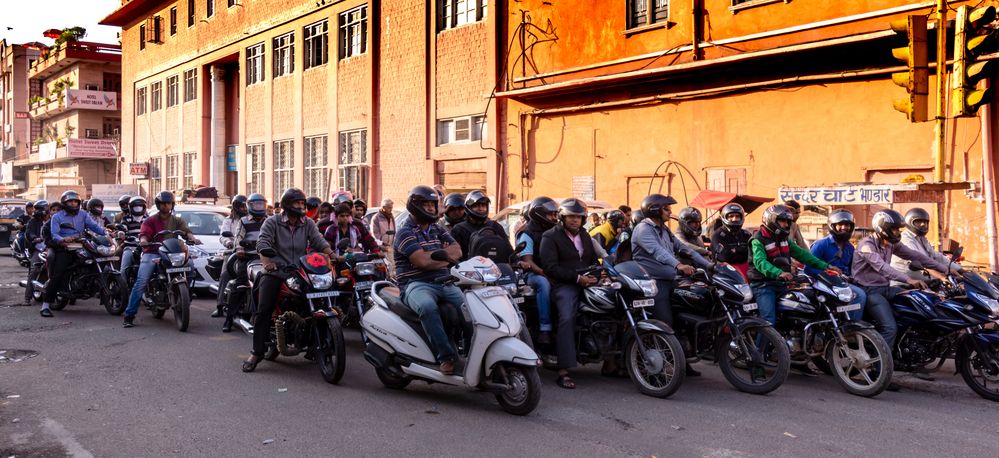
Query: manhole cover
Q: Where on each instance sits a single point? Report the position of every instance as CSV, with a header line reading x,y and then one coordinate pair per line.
x,y
16,356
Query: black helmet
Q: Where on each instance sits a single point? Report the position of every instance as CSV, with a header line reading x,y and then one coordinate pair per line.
x,y
163,197
690,221
124,201
313,203
616,217
473,198
85,206
238,205
888,225
653,204
290,196
571,207
540,207
636,217
256,205
840,216
454,200
771,220
29,205
137,206
69,196
730,209
914,215
41,206
95,207
414,204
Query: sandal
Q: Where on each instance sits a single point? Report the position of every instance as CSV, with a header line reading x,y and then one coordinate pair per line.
x,y
251,363
566,382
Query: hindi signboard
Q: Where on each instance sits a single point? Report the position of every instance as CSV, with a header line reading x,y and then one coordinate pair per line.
x,y
92,100
875,194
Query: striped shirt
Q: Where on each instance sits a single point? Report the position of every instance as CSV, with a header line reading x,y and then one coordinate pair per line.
x,y
411,238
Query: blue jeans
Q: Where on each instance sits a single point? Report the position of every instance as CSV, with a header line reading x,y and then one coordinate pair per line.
x,y
861,299
423,298
879,310
543,298
766,299
126,259
146,269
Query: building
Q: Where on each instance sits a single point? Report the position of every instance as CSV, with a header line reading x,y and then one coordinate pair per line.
x,y
251,96
14,117
761,97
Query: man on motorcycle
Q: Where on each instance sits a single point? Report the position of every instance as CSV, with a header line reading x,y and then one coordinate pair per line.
x,y
289,235
416,271
917,225
360,209
247,229
476,219
96,209
795,234
123,203
33,242
232,224
67,226
837,250
543,216
22,221
606,233
312,208
132,219
730,244
454,210
383,229
690,225
350,229
163,220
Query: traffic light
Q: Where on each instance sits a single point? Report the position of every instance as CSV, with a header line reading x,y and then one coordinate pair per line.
x,y
916,80
972,38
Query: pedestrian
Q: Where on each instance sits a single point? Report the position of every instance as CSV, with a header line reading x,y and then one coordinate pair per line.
x,y
383,230
795,235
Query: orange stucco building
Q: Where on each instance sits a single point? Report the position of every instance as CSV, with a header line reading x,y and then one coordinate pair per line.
x,y
755,97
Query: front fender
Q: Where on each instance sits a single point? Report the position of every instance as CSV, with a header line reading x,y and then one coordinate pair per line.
x,y
750,322
511,350
849,326
980,342
654,326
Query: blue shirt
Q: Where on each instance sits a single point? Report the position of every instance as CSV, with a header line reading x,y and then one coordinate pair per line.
x,y
528,244
410,238
80,221
829,251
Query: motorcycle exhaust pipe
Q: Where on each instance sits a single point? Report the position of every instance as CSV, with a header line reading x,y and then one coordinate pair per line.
x,y
244,325
38,285
23,283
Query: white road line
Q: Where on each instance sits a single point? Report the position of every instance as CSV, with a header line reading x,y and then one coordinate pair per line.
x,y
65,438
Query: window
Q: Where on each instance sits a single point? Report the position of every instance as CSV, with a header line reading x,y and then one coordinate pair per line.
x,y
189,170
255,163
209,8
92,133
142,37
190,13
284,54
639,13
255,64
173,91
155,25
156,96
231,3
284,167
461,130
171,172
155,179
190,84
140,101
111,127
353,162
315,165
316,42
173,21
353,32
454,13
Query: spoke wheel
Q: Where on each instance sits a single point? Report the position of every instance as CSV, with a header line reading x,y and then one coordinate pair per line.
x,y
980,372
758,366
660,371
116,295
862,364
332,357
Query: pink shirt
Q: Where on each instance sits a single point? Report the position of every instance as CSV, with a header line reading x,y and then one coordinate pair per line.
x,y
577,241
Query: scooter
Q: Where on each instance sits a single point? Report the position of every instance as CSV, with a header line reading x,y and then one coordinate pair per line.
x,y
497,360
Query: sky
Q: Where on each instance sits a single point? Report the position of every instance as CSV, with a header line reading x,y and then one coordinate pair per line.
x,y
29,18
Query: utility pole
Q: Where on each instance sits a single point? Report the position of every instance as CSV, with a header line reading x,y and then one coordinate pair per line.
x,y
940,127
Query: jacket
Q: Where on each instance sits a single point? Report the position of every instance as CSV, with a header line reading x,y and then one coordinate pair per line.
x,y
33,232
771,257
233,225
871,262
655,248
463,231
290,241
696,243
731,246
559,257
828,250
921,244
605,235
359,236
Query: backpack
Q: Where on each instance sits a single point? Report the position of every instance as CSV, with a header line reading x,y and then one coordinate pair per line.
x,y
489,243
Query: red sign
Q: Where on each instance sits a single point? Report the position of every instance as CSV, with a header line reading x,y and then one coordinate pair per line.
x,y
22,115
138,169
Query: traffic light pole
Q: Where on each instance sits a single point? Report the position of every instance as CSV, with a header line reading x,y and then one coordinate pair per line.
x,y
939,130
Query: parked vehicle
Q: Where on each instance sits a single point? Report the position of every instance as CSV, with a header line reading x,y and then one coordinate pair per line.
x,y
355,281
169,288
10,209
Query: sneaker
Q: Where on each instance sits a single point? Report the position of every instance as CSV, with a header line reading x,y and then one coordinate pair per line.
x,y
218,312
447,368
46,313
129,322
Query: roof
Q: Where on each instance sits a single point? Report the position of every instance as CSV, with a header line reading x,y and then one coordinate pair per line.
x,y
130,11
715,200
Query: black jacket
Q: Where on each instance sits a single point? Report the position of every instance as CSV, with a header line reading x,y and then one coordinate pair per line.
x,y
731,246
559,257
33,231
463,231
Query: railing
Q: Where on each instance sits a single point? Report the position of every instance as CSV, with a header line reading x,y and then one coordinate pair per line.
x,y
57,53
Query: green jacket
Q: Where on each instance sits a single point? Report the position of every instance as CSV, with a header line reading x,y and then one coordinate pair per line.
x,y
762,263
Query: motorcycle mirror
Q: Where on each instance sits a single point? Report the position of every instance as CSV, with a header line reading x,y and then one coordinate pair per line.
x,y
624,237
226,234
268,252
915,266
957,253
439,255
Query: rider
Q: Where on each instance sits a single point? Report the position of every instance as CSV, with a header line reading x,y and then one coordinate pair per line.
x,y
917,225
312,208
349,229
543,216
23,219
75,222
96,209
771,267
730,244
132,218
33,243
248,229
795,231
123,203
164,219
360,209
606,234
837,250
232,225
416,271
454,210
476,218
690,225
289,235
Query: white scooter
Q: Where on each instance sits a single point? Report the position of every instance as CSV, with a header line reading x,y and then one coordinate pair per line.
x,y
496,359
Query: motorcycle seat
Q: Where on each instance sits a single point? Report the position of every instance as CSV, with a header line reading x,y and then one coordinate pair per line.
x,y
392,297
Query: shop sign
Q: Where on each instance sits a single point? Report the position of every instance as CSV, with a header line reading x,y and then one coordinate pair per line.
x,y
843,195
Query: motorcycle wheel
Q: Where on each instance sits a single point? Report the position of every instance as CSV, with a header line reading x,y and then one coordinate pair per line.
x,y
116,295
742,373
980,372
662,350
392,381
332,354
59,304
868,377
180,302
525,389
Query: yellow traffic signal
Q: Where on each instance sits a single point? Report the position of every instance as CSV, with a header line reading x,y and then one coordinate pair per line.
x,y
916,80
972,38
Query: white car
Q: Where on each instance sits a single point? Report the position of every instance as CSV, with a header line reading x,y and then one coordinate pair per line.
x,y
205,222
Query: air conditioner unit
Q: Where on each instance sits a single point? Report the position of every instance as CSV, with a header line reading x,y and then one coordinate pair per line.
x,y
92,133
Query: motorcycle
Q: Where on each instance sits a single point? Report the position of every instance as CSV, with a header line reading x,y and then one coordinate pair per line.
x,y
92,274
304,317
355,280
19,248
715,313
235,294
485,335
38,284
169,288
813,317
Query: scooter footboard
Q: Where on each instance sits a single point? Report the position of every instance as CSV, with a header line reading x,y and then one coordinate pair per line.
x,y
512,350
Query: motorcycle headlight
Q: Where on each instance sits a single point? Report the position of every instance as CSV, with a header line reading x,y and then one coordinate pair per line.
x,y
177,259
992,304
365,269
844,294
471,275
649,288
490,274
747,292
196,252
321,281
292,283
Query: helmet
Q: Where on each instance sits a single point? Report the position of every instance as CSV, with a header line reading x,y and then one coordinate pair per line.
x,y
290,196
340,199
41,206
687,216
256,205
238,205
772,217
539,208
137,206
571,207
313,203
473,198
888,225
124,201
840,216
616,217
95,207
29,205
69,196
730,209
917,214
85,206
653,204
453,200
163,197
414,204
636,217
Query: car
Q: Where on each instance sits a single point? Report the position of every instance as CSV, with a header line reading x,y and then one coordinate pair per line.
x,y
205,222
10,209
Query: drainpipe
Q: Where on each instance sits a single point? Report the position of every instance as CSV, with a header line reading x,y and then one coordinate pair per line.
x,y
217,161
988,184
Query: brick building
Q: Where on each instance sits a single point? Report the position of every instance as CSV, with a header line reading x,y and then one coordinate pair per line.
x,y
252,96
15,122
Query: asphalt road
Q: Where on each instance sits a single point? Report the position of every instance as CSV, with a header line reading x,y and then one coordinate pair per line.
x,y
96,389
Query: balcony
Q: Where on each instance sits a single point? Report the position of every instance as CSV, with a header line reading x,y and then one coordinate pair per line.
x,y
68,54
74,99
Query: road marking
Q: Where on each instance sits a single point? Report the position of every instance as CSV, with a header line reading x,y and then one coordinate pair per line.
x,y
65,438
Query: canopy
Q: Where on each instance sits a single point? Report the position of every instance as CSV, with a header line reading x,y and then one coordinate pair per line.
x,y
715,200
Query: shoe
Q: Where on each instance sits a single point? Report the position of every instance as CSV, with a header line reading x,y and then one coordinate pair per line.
x,y
691,372
227,326
129,322
447,368
46,313
251,363
893,387
544,338
759,374
218,311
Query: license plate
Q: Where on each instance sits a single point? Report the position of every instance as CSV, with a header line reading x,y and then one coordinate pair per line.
x,y
362,284
848,308
322,294
177,270
639,303
749,307
518,300
493,292
112,258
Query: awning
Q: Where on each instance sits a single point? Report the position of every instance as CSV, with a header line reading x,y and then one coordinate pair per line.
x,y
715,200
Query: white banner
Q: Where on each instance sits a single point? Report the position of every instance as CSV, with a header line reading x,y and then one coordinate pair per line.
x,y
47,152
92,100
875,194
110,193
91,148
